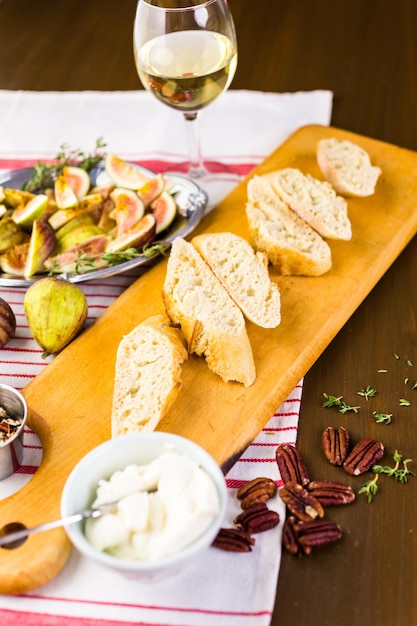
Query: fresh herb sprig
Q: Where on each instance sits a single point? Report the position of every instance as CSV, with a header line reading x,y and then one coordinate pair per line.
x,y
45,174
338,401
400,474
370,488
367,393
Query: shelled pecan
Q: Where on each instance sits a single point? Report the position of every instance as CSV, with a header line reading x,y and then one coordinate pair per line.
x,y
255,491
257,518
330,492
316,533
291,466
300,502
363,456
289,536
234,540
335,444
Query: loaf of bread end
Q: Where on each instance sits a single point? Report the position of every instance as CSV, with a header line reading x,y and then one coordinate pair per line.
x,y
291,245
147,375
315,201
244,274
347,167
213,325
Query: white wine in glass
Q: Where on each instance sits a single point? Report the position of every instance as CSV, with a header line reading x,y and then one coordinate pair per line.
x,y
186,56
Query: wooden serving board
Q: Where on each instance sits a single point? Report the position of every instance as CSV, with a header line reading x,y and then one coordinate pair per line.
x,y
70,401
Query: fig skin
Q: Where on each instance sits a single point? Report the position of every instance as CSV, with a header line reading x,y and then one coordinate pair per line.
x,y
7,322
56,311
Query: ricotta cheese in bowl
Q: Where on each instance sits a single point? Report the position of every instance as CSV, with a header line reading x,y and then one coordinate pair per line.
x,y
170,499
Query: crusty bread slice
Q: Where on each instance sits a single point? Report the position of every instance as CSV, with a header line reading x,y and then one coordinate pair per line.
x,y
315,201
291,245
147,375
213,325
244,274
347,167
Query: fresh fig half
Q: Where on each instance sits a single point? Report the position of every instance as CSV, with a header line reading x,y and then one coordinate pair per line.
x,y
41,245
89,204
65,196
128,209
83,258
13,261
142,233
35,209
78,179
124,174
78,220
151,189
11,233
77,235
164,208
16,197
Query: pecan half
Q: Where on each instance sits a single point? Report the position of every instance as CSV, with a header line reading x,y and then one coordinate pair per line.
x,y
330,492
335,444
316,533
363,456
290,464
257,518
300,502
255,491
289,536
233,540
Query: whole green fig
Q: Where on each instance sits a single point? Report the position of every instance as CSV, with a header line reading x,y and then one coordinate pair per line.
x,y
56,311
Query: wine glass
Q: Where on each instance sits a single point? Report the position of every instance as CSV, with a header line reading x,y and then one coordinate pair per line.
x,y
186,56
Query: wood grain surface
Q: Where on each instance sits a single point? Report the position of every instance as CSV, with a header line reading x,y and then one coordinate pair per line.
x,y
70,401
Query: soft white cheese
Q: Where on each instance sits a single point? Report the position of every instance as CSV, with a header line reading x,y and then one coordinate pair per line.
x,y
162,507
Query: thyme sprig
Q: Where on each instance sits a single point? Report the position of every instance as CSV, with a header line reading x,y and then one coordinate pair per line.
x,y
382,418
400,474
370,488
45,174
367,393
338,401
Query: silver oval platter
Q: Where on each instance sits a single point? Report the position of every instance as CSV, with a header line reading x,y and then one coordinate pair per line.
x,y
191,202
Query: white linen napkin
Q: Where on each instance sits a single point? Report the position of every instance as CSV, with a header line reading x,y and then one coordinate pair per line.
x,y
238,132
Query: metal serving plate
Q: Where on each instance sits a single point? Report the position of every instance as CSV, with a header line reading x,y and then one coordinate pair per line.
x,y
191,201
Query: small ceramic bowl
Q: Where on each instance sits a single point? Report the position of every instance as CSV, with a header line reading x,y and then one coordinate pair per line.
x,y
140,448
11,447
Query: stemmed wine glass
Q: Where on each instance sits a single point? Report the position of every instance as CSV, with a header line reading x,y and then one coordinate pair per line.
x,y
186,56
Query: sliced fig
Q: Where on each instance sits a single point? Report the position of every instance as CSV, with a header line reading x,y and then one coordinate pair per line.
x,y
83,258
16,197
78,179
3,210
65,196
2,194
78,220
106,222
128,209
103,190
143,232
33,210
11,233
164,208
152,189
78,235
41,245
89,204
13,261
124,174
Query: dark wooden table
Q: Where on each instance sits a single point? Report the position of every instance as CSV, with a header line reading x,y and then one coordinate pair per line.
x,y
365,51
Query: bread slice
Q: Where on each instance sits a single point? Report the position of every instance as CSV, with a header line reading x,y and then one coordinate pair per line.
x,y
147,375
347,167
213,325
244,274
291,245
315,201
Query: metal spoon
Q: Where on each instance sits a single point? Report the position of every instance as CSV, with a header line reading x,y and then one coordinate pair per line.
x,y
15,534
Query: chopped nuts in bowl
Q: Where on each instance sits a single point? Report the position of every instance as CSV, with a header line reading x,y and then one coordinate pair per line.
x,y
170,503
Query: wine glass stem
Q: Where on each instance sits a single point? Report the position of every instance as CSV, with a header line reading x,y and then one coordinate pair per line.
x,y
192,124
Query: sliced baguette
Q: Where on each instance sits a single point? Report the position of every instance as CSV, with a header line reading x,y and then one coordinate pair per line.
x,y
147,375
347,167
315,201
291,245
243,272
213,325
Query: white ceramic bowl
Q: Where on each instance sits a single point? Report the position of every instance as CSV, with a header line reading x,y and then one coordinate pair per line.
x,y
140,448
